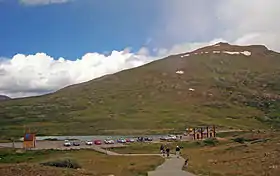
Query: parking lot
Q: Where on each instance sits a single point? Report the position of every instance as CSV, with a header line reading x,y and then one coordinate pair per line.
x,y
59,144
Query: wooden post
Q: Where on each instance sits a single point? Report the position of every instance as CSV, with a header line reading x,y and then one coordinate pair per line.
x,y
207,128
194,135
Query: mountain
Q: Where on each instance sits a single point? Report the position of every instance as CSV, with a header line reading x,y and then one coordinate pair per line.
x,y
4,97
226,85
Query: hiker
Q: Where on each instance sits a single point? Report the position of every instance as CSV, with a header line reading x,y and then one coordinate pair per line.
x,y
186,163
162,150
167,151
177,153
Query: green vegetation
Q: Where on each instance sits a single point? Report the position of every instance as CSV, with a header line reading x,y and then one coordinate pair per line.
x,y
66,163
154,148
88,162
227,157
210,142
257,157
19,156
231,91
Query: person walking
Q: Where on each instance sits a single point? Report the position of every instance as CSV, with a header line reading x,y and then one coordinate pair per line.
x,y
167,151
177,153
162,151
186,163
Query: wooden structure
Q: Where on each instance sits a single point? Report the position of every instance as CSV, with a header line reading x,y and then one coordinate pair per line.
x,y
202,132
29,140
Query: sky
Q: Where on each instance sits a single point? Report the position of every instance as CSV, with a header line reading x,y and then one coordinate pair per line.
x,y
46,45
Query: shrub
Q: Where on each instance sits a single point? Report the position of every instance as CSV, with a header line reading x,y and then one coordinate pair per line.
x,y
210,142
240,140
66,163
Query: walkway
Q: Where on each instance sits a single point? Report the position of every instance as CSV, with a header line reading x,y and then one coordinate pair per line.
x,y
171,167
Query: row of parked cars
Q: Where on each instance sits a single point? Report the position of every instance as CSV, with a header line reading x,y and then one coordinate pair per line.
x,y
108,140
122,140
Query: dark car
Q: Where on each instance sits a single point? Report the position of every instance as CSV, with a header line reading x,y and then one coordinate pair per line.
x,y
76,143
148,139
140,139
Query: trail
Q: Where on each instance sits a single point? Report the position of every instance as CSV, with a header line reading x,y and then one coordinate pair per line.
x,y
172,166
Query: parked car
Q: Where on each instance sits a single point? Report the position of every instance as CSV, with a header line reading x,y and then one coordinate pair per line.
x,y
97,142
109,141
67,143
89,142
76,144
121,140
148,139
172,137
130,140
140,139
164,138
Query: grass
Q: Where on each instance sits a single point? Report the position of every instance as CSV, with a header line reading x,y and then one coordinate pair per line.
x,y
230,92
234,158
92,163
20,156
145,148
257,154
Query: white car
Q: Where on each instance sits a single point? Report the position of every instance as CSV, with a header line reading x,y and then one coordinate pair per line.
x,y
121,140
172,137
130,140
109,141
89,142
67,143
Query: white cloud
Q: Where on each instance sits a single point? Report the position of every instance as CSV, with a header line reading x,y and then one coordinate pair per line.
x,y
36,74
237,21
42,2
251,21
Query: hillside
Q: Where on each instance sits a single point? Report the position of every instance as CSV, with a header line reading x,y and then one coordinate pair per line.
x,y
226,85
4,97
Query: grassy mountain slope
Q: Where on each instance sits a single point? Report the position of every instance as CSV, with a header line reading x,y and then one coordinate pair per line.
x,y
4,97
229,90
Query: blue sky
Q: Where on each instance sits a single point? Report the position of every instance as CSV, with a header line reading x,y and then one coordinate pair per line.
x,y
75,28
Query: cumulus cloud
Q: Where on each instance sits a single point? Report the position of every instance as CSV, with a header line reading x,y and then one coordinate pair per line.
x,y
42,2
251,21
237,21
28,75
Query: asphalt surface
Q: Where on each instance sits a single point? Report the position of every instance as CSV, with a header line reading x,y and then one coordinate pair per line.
x,y
171,167
58,145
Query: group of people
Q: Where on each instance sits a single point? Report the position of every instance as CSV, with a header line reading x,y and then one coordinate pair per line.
x,y
166,150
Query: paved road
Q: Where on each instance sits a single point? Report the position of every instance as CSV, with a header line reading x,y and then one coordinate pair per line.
x,y
58,145
171,167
